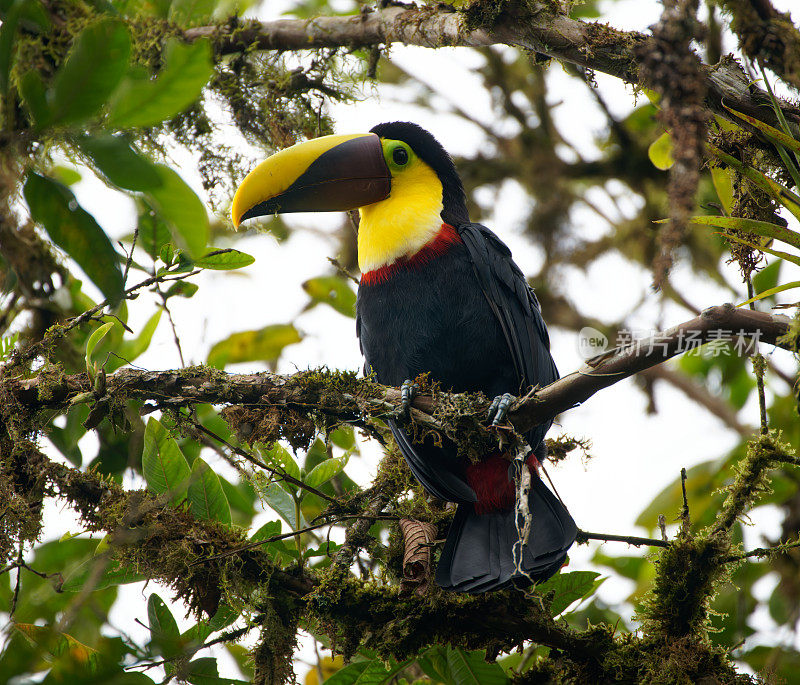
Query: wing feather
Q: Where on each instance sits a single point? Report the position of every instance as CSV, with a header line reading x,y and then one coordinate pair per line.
x,y
514,304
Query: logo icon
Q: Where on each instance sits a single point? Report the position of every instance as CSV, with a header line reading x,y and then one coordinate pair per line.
x,y
591,342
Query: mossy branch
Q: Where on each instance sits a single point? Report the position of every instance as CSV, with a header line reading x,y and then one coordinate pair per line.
x,y
293,407
530,25
767,35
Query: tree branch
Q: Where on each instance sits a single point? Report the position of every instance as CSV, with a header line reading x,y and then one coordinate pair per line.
x,y
591,45
344,397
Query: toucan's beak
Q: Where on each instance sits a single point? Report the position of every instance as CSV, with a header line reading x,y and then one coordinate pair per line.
x,y
331,173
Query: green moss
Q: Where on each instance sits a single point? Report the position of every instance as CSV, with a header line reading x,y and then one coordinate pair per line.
x,y
688,572
751,480
792,337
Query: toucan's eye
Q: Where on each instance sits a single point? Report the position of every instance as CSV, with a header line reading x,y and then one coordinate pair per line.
x,y
399,155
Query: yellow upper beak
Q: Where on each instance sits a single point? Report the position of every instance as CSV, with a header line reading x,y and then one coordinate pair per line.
x,y
331,173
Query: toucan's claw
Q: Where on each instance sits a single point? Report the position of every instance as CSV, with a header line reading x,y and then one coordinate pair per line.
x,y
499,408
408,391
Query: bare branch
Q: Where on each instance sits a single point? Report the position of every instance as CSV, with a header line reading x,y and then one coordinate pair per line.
x,y
636,541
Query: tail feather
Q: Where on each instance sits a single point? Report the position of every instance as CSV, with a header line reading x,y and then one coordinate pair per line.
x,y
478,555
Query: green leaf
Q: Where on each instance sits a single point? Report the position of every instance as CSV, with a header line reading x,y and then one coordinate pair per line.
x,y
723,184
783,661
794,259
323,472
569,587
30,10
265,344
751,226
204,671
701,484
637,569
97,335
185,12
164,631
182,211
471,668
225,259
282,550
154,233
75,231
205,495
66,175
120,163
93,69
280,459
660,152
282,503
770,131
366,673
128,350
224,616
344,436
59,644
163,465
115,573
268,530
771,291
34,94
146,102
66,439
181,289
786,197
333,291
768,276
241,496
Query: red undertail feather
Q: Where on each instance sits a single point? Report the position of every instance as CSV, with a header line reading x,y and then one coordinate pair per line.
x,y
444,240
489,479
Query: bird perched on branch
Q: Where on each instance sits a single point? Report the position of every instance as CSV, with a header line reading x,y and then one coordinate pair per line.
x,y
438,295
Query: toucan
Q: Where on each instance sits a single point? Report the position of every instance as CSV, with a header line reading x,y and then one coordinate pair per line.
x,y
442,296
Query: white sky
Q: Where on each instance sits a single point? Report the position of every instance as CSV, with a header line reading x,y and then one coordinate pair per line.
x,y
635,455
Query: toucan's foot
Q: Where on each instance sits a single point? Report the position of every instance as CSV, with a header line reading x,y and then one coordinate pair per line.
x,y
408,391
499,408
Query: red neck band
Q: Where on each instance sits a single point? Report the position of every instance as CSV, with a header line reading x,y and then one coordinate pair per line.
x,y
441,243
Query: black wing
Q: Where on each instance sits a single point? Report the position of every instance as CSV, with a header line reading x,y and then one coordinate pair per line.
x,y
514,305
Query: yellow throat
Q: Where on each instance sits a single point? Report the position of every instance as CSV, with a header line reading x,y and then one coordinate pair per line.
x,y
404,222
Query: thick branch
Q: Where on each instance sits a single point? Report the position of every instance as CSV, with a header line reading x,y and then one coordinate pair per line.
x,y
351,399
588,44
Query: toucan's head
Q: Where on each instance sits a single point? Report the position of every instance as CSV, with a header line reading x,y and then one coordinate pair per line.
x,y
398,176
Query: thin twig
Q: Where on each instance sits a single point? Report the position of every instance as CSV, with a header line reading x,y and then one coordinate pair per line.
x,y
291,534
258,462
686,521
584,536
758,367
129,261
54,333
762,552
